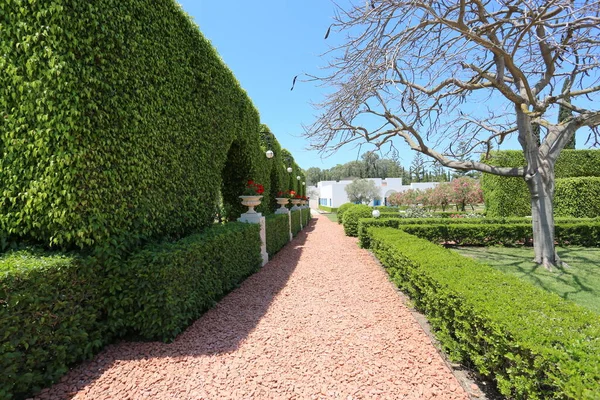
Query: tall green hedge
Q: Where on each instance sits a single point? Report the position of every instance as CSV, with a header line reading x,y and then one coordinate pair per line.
x,y
120,122
577,197
278,232
508,197
534,344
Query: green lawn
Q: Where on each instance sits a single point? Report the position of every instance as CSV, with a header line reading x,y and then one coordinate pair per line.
x,y
580,283
332,217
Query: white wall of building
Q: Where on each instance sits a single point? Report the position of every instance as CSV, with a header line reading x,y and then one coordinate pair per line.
x,y
333,193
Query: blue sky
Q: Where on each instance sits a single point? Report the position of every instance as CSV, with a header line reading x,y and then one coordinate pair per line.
x,y
266,43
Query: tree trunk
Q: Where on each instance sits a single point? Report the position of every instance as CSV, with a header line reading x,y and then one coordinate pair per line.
x,y
541,189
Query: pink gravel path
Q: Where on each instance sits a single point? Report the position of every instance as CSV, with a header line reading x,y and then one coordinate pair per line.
x,y
321,320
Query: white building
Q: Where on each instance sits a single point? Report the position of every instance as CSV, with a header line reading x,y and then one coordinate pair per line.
x,y
333,193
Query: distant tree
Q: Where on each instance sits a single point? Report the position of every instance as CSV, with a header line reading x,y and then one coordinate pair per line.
x,y
441,196
362,191
417,167
313,176
466,191
409,197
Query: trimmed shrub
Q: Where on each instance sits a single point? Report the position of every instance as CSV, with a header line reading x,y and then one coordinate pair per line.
x,y
342,209
577,197
296,222
51,306
534,344
351,217
507,235
278,232
306,217
160,290
507,197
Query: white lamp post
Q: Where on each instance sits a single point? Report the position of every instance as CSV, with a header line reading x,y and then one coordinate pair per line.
x,y
376,213
289,169
270,153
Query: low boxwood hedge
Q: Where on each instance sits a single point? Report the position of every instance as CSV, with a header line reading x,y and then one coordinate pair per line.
x,y
161,289
342,209
352,216
51,306
503,235
327,209
57,309
278,232
534,344
296,222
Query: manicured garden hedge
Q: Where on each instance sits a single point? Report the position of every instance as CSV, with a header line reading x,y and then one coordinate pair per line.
x,y
160,290
296,222
577,197
507,197
351,217
120,122
534,344
51,310
278,232
518,233
58,309
341,210
306,217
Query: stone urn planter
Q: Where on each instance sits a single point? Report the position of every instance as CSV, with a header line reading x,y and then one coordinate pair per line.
x,y
295,203
282,201
251,202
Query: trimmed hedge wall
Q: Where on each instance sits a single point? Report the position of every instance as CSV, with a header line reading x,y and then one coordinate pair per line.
x,y
51,306
121,123
160,290
577,197
306,217
576,234
507,197
539,347
296,222
398,223
58,309
278,232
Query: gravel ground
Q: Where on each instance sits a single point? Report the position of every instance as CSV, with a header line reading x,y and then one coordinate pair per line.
x,y
321,320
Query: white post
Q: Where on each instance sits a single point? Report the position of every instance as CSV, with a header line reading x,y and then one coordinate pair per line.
x,y
290,225
257,218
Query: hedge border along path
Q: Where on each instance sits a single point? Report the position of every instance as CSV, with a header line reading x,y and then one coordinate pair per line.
x,y
321,320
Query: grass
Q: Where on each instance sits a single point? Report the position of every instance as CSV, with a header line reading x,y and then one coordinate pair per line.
x,y
332,217
579,283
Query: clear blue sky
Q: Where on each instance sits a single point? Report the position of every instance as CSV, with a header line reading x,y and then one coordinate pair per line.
x,y
266,43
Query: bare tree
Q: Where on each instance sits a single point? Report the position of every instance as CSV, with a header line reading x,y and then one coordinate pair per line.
x,y
435,73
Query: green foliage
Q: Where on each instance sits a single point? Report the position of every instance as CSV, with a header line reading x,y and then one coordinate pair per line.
x,y
120,123
296,222
278,232
351,217
306,217
342,209
507,197
568,230
539,347
577,197
57,309
362,191
159,290
50,313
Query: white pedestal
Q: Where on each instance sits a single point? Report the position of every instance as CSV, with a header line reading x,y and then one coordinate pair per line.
x,y
257,218
282,211
290,225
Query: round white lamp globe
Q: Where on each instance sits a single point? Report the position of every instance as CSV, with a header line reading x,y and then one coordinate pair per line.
x,y
289,170
270,154
376,213
298,177
303,183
